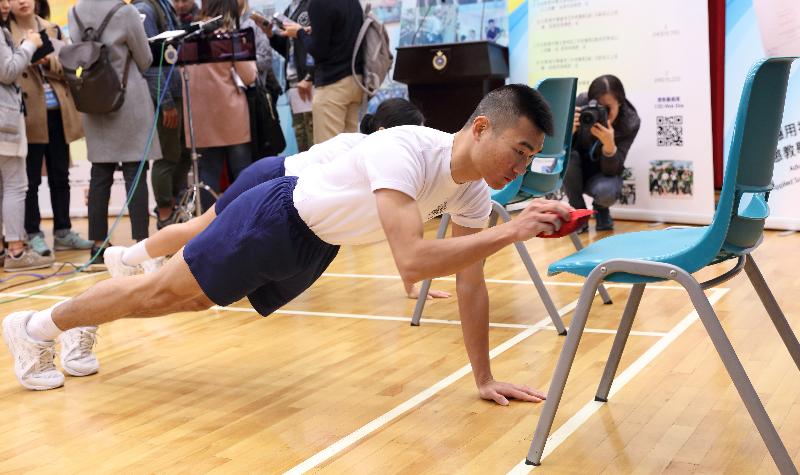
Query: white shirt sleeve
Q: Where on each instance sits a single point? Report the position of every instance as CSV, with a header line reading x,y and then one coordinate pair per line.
x,y
394,166
476,207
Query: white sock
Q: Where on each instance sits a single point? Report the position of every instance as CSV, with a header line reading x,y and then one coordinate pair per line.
x,y
41,326
136,254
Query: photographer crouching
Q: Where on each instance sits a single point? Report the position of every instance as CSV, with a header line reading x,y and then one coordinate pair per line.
x,y
605,125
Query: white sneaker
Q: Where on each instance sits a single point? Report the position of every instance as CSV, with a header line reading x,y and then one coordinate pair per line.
x,y
114,264
151,265
77,358
33,360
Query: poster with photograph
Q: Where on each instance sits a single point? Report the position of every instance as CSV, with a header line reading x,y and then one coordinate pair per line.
x,y
663,62
755,29
427,24
671,178
483,21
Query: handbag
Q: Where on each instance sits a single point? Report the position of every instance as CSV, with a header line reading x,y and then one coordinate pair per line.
x,y
265,126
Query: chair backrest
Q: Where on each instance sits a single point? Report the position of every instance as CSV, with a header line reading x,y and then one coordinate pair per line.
x,y
560,95
742,209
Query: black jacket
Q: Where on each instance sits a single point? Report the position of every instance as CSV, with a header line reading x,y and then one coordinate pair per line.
x,y
591,150
281,43
334,28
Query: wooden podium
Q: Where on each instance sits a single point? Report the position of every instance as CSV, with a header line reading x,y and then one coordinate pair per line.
x,y
446,81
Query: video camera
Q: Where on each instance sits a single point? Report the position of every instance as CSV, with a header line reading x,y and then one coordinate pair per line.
x,y
592,113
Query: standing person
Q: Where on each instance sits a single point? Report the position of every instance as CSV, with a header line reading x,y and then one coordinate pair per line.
x,y
219,107
42,9
169,173
187,11
263,49
298,69
273,241
597,160
51,124
118,137
337,96
5,12
13,147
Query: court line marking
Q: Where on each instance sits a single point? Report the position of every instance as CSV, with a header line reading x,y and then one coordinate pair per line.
x,y
608,285
356,316
579,418
363,431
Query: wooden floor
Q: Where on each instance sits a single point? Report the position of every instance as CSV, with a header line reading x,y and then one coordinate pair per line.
x,y
338,382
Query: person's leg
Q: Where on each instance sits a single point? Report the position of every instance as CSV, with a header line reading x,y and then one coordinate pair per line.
x,y
137,208
605,191
57,161
165,168
238,159
100,181
171,289
573,181
33,165
355,98
300,133
123,260
14,181
211,163
329,110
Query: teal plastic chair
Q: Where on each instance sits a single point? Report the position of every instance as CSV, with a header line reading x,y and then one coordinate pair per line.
x,y
560,95
674,254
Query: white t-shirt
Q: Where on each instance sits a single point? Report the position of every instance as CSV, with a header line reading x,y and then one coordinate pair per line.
x,y
336,199
321,153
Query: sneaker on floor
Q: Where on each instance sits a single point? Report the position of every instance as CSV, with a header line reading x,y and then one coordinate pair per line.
x,y
152,265
77,358
33,360
38,244
113,260
70,240
28,260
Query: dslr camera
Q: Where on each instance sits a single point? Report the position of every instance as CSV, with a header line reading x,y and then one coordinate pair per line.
x,y
592,113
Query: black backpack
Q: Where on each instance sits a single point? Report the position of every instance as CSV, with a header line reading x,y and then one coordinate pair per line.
x,y
95,86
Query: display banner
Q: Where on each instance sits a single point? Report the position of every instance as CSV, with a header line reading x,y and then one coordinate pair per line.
x,y
659,50
755,29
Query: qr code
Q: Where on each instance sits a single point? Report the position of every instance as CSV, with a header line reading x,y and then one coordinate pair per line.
x,y
669,130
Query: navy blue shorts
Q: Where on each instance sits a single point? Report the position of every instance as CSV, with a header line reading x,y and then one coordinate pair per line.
x,y
262,171
259,248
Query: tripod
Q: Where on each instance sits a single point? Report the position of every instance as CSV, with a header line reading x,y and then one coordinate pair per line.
x,y
190,204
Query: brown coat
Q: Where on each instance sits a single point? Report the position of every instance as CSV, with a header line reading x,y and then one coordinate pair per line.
x,y
219,108
33,94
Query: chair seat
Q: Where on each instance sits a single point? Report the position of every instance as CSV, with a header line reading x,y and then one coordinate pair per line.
x,y
669,246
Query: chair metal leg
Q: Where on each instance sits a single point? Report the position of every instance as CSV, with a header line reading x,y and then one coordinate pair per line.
x,y
576,241
619,342
534,274
563,366
426,284
740,380
773,309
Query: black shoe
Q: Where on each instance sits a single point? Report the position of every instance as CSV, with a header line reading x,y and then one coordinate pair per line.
x,y
603,218
93,251
162,223
583,229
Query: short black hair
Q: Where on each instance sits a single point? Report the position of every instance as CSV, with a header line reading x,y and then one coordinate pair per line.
x,y
391,113
506,104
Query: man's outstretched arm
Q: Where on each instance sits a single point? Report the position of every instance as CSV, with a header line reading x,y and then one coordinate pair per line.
x,y
419,259
473,307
